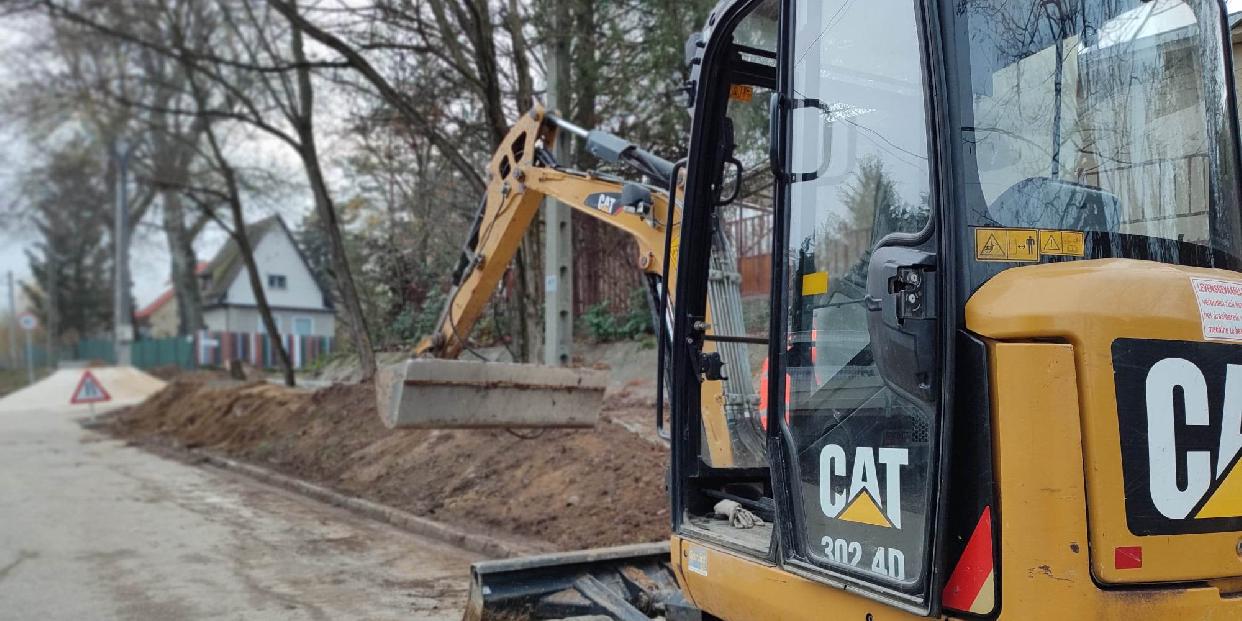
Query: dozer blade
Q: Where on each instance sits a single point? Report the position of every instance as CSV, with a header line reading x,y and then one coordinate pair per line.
x,y
630,583
436,394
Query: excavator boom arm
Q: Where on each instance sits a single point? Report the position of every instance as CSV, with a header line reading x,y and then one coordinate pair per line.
x,y
520,178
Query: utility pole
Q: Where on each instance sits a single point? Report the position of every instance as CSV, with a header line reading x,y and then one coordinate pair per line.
x,y
51,332
13,355
558,240
122,328
29,359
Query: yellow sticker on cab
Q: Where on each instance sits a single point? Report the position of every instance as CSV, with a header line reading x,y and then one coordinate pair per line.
x,y
1026,245
1061,243
815,283
1007,244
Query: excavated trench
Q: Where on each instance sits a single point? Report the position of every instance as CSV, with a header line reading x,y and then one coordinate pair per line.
x,y
569,489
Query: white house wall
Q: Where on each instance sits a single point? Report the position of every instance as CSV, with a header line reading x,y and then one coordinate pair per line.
x,y
276,254
241,319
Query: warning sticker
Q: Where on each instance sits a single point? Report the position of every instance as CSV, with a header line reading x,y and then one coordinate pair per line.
x,y
697,560
1007,244
1026,245
741,92
1220,308
1061,243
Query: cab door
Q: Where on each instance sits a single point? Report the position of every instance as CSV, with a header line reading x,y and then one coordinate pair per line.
x,y
858,362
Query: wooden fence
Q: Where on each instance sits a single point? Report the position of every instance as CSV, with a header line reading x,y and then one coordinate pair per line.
x,y
218,348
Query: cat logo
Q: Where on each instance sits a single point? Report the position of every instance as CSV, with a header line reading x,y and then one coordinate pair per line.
x,y
607,202
1180,417
850,489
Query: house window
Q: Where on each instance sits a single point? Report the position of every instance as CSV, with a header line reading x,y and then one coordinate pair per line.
x,y
277,281
303,325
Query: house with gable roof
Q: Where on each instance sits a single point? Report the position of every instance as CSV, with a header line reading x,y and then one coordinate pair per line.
x,y
300,304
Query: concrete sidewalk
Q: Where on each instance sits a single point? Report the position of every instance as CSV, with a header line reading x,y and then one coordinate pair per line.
x,y
92,529
125,386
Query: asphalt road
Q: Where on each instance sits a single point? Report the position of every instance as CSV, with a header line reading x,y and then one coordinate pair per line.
x,y
93,529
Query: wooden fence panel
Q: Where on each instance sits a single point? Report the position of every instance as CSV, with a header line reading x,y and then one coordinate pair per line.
x,y
218,348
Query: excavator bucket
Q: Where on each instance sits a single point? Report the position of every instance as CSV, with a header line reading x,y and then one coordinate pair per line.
x,y
438,394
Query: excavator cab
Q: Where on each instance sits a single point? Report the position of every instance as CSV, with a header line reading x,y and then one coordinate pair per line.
x,y
1003,323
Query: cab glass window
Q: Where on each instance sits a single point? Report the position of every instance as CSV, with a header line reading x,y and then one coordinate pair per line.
x,y
1102,124
858,154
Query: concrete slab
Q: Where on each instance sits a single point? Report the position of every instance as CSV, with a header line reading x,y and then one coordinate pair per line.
x,y
126,386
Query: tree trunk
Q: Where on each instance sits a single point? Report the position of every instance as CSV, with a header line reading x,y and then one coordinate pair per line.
x,y
242,239
347,292
584,75
183,266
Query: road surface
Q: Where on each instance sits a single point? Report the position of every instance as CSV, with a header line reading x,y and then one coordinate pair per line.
x,y
93,529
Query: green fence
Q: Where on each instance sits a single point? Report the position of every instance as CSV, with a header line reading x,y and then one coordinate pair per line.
x,y
93,350
146,353
174,350
90,349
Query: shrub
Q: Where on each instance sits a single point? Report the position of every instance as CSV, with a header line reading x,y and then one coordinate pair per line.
x,y
603,325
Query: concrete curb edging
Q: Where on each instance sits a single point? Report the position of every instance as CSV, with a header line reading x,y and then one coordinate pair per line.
x,y
481,544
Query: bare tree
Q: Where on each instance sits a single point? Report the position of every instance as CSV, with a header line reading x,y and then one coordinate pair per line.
x,y
290,90
237,231
462,35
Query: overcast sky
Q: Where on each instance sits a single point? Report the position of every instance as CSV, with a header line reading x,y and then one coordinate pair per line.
x,y
149,260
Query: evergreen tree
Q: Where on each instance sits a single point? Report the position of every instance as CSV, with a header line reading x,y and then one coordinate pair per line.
x,y
72,260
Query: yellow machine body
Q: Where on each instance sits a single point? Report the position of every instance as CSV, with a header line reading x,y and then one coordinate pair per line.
x,y
1060,490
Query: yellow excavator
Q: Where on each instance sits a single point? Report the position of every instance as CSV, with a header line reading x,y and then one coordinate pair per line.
x,y
436,390
1004,328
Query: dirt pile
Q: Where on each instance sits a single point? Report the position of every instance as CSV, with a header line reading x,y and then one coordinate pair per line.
x,y
572,489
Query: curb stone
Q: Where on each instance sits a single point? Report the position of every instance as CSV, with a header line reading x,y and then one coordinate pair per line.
x,y
481,544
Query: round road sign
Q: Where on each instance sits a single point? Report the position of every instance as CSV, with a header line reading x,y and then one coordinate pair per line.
x,y
28,321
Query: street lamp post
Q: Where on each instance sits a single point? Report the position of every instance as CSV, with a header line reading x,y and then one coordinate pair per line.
x,y
122,328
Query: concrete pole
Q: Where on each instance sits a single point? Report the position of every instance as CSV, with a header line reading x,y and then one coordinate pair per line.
x,y
29,360
122,330
14,356
558,241
51,331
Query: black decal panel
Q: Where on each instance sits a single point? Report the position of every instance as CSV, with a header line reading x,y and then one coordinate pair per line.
x,y
1179,413
607,202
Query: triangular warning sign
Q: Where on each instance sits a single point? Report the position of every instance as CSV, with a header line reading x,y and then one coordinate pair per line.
x,y
89,390
992,248
1226,501
864,510
1052,242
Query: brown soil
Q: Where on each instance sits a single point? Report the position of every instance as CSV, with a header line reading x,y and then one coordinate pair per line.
x,y
573,489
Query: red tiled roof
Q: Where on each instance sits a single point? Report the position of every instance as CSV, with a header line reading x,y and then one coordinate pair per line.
x,y
164,297
159,302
